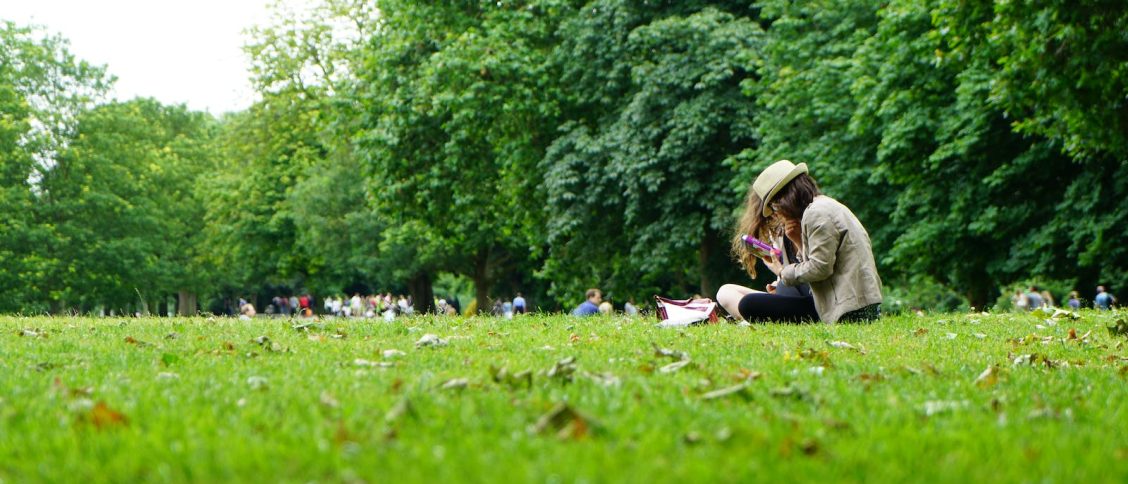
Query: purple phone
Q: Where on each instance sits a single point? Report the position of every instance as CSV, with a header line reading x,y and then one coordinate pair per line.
x,y
762,247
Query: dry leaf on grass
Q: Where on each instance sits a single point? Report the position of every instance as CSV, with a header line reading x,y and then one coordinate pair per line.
x,y
988,377
740,390
258,383
563,370
430,340
455,384
565,422
512,380
675,354
361,362
1120,328
936,407
675,366
104,417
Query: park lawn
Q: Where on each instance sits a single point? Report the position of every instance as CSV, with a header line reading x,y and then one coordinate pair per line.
x,y
209,400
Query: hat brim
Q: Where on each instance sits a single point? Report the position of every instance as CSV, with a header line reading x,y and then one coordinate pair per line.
x,y
798,170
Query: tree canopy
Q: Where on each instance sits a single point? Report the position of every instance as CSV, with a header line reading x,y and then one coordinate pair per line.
x,y
548,146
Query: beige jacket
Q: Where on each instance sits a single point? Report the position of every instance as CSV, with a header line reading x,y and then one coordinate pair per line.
x,y
837,261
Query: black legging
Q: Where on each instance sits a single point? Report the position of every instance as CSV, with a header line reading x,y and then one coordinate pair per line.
x,y
763,307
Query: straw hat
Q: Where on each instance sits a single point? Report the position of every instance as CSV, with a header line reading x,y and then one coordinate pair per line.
x,y
774,178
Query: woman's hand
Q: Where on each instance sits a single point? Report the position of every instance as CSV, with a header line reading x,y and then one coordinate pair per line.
x,y
773,264
794,231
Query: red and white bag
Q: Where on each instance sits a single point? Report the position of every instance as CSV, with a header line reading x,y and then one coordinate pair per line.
x,y
685,312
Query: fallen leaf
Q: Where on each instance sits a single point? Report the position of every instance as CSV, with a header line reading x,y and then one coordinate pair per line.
x,y
1120,328
744,374
565,423
920,332
738,390
675,354
870,378
102,416
257,383
1061,313
936,407
512,380
988,377
563,369
810,354
790,391
372,364
1034,359
401,409
455,384
605,379
131,340
430,340
672,367
1072,334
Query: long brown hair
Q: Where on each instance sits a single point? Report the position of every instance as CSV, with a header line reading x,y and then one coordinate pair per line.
x,y
751,222
793,199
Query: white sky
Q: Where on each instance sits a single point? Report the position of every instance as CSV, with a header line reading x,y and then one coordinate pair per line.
x,y
177,51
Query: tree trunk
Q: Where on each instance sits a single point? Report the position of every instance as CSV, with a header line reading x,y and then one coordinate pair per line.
x,y
422,293
186,304
704,253
482,281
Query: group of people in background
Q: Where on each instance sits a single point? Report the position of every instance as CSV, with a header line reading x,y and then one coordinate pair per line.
x,y
594,304
1036,298
389,306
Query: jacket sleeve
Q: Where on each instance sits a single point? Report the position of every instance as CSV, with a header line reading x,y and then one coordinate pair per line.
x,y
822,237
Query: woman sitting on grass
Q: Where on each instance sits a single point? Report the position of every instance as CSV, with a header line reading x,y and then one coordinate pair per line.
x,y
823,244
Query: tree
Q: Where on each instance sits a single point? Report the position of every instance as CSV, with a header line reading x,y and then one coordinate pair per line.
x,y
123,207
640,194
42,88
456,117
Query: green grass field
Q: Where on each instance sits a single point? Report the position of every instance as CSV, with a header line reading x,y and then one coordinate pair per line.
x,y
948,397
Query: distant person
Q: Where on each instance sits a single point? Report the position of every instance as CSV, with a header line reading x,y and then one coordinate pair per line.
x,y
1103,300
1074,300
519,304
246,310
591,305
1034,298
629,308
606,308
1020,301
1048,299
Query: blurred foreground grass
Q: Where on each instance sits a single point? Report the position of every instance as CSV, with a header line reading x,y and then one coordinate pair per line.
x,y
946,397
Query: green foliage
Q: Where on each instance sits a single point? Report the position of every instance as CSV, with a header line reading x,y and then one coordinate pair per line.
x,y
123,206
549,146
42,90
637,192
